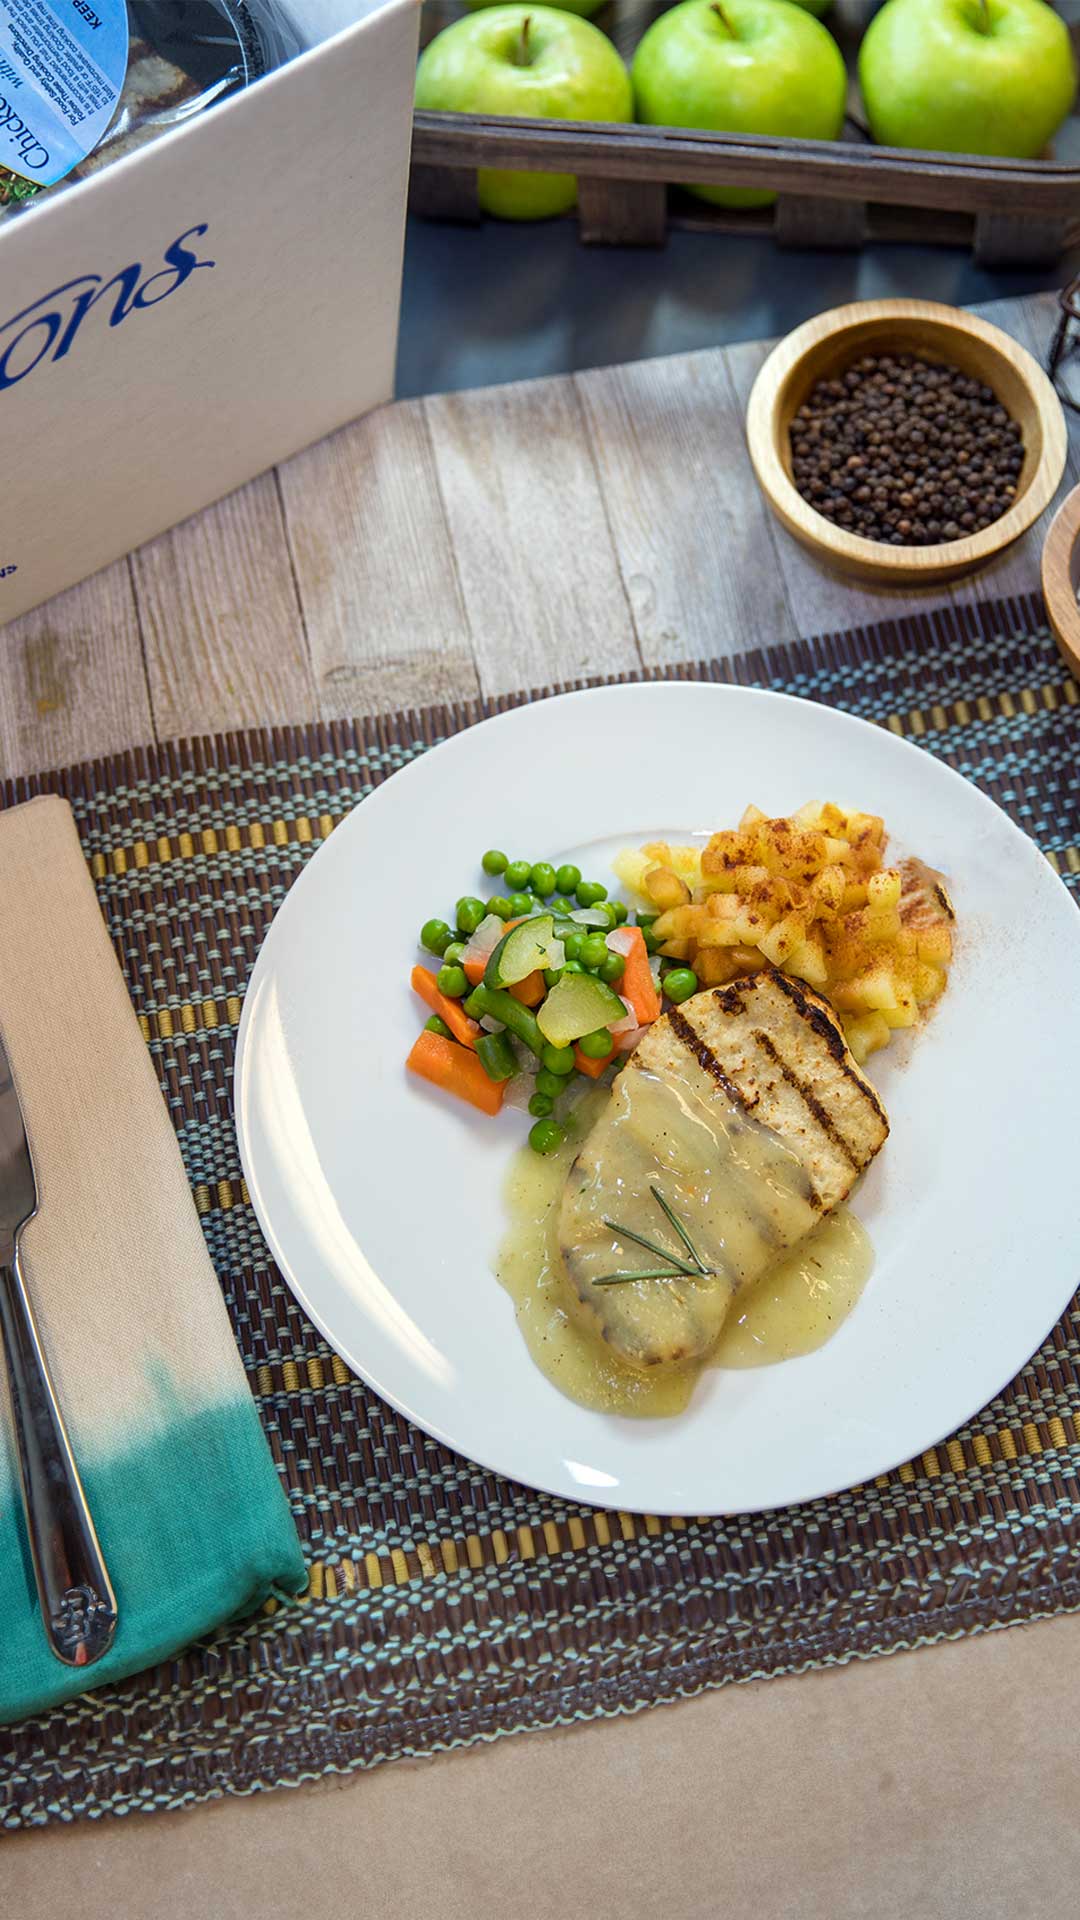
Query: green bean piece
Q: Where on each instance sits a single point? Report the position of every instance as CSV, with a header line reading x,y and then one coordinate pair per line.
x,y
438,1025
500,1005
496,1056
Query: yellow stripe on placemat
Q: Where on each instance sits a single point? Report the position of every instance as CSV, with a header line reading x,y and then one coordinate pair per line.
x,y
917,722
581,1533
303,830
307,828
398,1566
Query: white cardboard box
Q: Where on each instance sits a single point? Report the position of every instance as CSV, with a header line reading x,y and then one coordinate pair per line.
x,y
201,309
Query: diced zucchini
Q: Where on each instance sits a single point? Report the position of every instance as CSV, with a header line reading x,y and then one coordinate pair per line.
x,y
529,946
579,1003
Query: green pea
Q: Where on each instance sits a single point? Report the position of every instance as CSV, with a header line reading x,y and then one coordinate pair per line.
x,y
435,1025
596,1046
574,966
594,950
652,944
645,919
621,911
542,878
612,968
559,1060
453,981
469,911
607,907
494,862
541,1105
521,904
567,878
435,936
517,875
590,893
572,945
453,953
680,983
552,976
500,906
550,1083
546,1137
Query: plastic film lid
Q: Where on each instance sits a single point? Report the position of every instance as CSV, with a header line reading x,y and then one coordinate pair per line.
x,y
62,71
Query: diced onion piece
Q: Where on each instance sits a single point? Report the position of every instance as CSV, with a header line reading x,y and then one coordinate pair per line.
x,y
483,942
626,1042
519,1091
627,1025
590,917
621,940
655,968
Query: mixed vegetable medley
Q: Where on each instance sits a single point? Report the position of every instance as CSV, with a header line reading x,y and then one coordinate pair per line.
x,y
539,985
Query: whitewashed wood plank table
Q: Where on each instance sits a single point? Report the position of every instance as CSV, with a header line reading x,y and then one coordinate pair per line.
x,y
471,542
481,542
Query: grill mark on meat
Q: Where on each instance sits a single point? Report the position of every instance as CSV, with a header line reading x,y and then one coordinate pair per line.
x,y
707,1059
809,1099
812,1008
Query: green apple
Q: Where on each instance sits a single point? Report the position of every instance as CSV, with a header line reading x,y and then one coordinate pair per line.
x,y
741,66
587,7
537,62
967,76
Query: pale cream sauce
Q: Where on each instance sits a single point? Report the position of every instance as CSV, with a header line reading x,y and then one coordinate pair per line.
x,y
797,1304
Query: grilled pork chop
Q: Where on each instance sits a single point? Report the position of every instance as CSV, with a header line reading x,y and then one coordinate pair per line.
x,y
742,1112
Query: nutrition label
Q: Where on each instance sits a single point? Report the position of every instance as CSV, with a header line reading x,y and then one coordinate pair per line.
x,y
62,69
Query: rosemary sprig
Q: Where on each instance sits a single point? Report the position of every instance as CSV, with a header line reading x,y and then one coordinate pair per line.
x,y
643,1273
680,1230
650,1246
675,1269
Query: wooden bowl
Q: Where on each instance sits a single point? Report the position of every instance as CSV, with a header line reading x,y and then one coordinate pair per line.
x,y
822,348
1061,577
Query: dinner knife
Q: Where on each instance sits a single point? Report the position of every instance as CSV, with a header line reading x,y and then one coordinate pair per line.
x,y
78,1605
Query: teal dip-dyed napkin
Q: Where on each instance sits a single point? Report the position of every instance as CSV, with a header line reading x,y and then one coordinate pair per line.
x,y
191,1515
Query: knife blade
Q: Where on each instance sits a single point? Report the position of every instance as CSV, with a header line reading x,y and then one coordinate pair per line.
x,y
78,1606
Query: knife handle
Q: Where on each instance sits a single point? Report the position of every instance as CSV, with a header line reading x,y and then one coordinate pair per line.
x,y
78,1605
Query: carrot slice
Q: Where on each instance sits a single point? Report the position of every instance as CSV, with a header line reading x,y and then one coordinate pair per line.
x,y
594,1068
455,1070
531,990
452,1011
637,984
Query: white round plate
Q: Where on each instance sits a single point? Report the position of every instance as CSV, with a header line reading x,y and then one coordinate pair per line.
x,y
382,1199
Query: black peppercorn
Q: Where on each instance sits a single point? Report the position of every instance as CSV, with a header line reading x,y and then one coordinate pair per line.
x,y
906,452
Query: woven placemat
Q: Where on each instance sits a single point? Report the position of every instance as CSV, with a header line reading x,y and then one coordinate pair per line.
x,y
447,1605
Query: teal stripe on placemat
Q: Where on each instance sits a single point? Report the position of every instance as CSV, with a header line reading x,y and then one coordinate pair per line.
x,y
447,1605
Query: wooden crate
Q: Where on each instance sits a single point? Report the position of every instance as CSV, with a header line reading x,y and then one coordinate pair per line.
x,y
837,194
